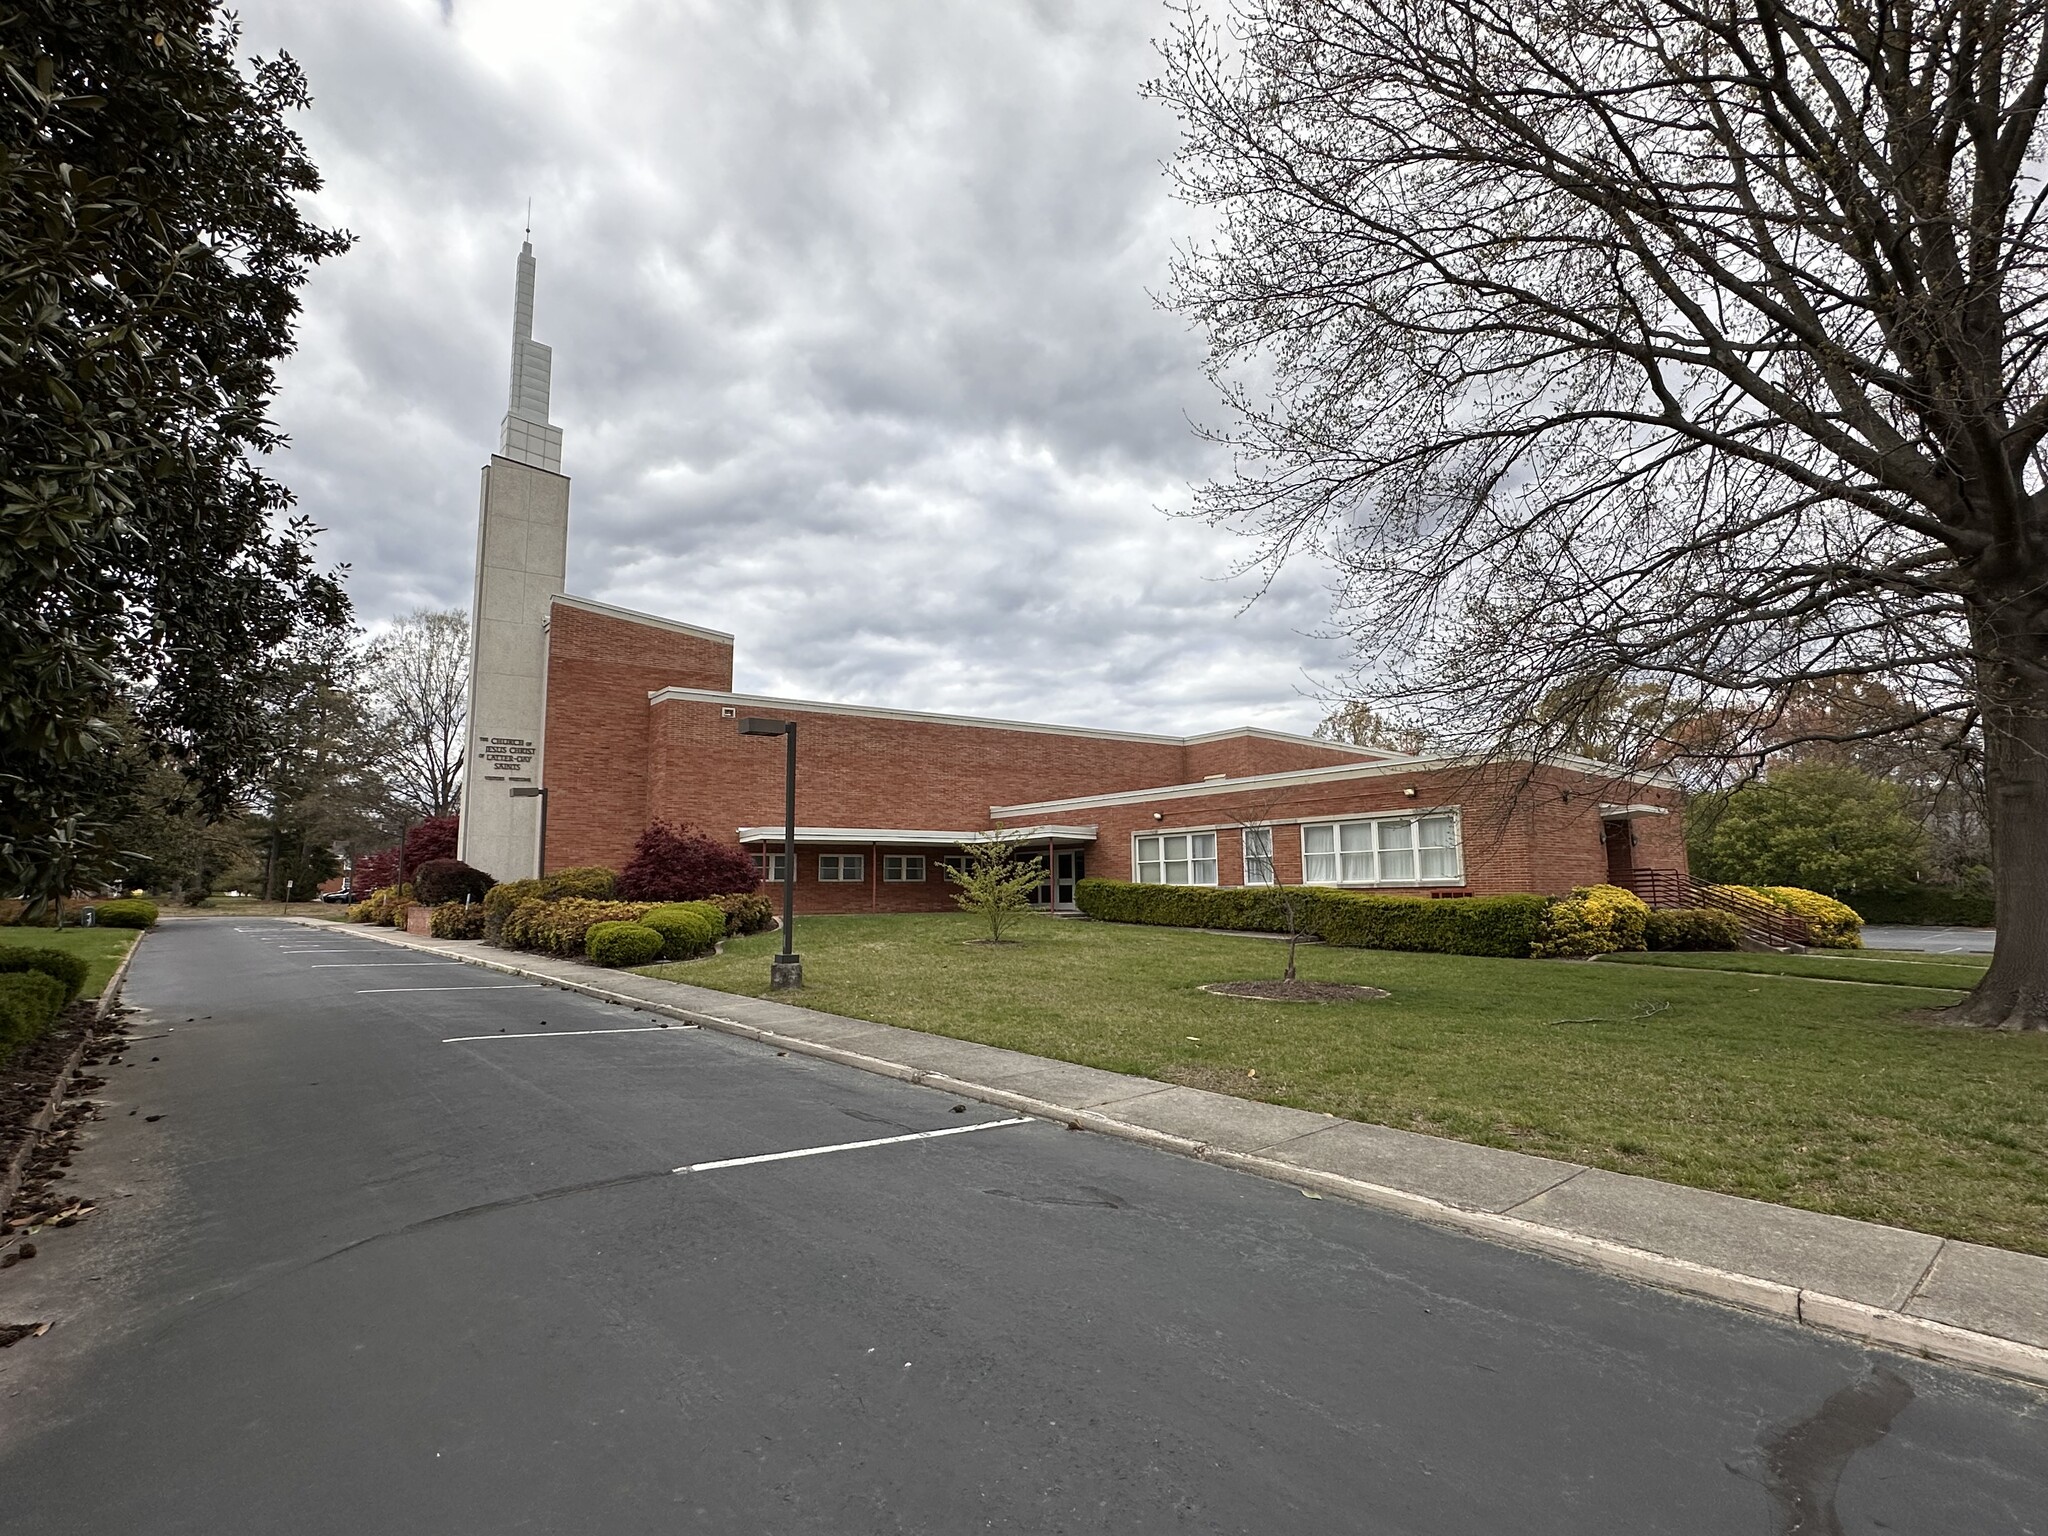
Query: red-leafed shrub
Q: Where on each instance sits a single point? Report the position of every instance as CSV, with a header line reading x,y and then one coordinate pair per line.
x,y
431,839
673,863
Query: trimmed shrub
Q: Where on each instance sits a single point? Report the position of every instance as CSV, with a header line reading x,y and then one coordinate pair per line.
x,y
1593,920
687,928
621,944
1931,906
67,968
1505,926
29,1004
128,912
560,927
591,882
672,863
1693,928
1831,924
501,899
456,920
749,913
445,880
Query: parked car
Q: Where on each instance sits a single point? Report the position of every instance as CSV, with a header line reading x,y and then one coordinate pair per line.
x,y
344,894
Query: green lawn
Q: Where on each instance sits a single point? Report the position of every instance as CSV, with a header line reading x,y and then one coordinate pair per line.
x,y
1838,1099
101,947
1950,973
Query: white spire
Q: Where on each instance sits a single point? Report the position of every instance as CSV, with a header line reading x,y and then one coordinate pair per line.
x,y
526,436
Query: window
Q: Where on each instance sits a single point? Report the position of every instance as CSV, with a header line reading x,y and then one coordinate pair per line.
x,y
1385,850
957,862
1177,858
768,866
840,868
902,868
1258,855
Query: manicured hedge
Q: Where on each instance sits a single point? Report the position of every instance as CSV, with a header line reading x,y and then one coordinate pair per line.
x,y
561,927
29,1003
687,928
1506,926
746,914
1829,923
457,920
128,912
1928,906
1693,928
68,968
587,882
621,944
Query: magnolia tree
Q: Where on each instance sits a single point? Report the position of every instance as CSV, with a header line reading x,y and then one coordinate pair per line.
x,y
1645,344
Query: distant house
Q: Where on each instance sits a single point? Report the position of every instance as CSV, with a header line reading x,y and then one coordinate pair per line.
x,y
624,718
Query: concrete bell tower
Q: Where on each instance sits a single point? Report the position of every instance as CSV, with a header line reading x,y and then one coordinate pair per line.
x,y
522,551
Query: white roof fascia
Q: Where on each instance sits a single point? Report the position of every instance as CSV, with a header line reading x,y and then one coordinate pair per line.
x,y
1377,753
1288,780
979,722
899,836
1623,812
591,605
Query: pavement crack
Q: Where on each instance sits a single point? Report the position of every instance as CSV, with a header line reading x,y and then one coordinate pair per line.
x,y
1803,1463
485,1208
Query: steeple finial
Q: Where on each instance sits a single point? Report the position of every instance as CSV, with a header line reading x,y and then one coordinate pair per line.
x,y
527,437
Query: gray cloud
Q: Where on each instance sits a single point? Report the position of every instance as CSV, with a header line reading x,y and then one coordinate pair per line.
x,y
853,348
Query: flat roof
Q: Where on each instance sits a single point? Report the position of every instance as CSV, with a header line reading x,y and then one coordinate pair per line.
x,y
877,712
914,838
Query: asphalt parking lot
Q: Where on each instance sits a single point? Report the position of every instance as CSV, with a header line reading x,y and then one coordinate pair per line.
x,y
419,1248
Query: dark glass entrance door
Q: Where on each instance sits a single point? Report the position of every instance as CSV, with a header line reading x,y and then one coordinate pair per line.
x,y
1621,853
1069,867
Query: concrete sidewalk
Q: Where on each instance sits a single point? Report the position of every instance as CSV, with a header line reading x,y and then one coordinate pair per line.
x,y
1925,1295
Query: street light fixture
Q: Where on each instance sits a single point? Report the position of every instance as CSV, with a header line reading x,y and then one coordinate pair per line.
x,y
537,792
786,969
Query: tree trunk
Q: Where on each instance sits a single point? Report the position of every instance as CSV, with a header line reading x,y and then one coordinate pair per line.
x,y
2014,695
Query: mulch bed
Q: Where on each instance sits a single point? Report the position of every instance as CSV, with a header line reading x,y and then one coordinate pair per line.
x,y
25,1085
1296,991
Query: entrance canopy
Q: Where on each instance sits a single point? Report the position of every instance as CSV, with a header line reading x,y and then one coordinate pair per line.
x,y
898,837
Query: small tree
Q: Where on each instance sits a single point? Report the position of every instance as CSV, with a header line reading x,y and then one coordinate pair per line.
x,y
997,884
1259,819
672,863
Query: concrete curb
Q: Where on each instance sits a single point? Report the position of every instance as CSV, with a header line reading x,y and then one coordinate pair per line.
x,y
1810,1308
39,1122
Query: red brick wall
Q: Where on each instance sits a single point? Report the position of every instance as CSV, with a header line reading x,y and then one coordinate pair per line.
x,y
1520,831
600,671
873,894
1239,755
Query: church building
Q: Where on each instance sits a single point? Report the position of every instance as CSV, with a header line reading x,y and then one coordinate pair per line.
x,y
587,722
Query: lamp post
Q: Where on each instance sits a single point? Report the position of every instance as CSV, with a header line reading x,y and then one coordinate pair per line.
x,y
537,792
786,969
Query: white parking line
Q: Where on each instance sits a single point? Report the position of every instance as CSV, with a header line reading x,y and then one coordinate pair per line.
x,y
500,986
851,1146
366,965
559,1034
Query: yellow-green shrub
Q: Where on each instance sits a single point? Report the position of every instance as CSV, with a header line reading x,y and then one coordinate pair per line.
x,y
457,920
622,944
128,912
561,927
687,928
1831,924
1593,920
387,905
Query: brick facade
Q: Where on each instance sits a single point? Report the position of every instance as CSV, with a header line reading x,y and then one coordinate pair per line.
x,y
601,667
641,724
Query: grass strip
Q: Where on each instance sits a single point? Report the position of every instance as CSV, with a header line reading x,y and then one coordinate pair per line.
x,y
1839,1099
101,948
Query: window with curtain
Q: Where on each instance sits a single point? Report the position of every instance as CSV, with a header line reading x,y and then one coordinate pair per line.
x,y
1380,850
1176,858
1258,855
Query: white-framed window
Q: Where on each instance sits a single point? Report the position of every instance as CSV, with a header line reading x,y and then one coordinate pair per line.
x,y
768,866
902,868
957,862
1258,856
1382,850
1176,858
840,868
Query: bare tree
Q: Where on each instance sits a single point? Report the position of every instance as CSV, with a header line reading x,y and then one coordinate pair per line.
x,y
1673,342
417,677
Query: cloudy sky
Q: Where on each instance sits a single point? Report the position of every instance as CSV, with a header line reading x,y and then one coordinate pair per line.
x,y
855,353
